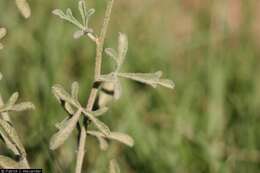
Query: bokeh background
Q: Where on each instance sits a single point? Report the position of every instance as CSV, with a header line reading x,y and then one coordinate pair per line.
x,y
210,48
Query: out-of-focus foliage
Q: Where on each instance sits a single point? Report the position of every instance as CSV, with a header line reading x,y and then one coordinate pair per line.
x,y
210,123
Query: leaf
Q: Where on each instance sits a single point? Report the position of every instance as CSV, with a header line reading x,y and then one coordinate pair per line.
x,y
122,49
24,8
120,137
10,132
59,13
148,78
68,17
9,143
60,137
102,141
69,109
61,94
1,76
75,90
3,32
13,99
114,167
83,11
167,83
22,106
63,123
99,124
8,163
100,111
117,89
111,53
123,138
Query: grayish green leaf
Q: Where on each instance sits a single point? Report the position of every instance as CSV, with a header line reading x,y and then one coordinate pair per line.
x,y
114,167
100,111
11,134
123,138
75,90
22,106
24,8
60,137
99,124
83,11
100,137
122,49
8,163
3,32
78,34
111,53
61,94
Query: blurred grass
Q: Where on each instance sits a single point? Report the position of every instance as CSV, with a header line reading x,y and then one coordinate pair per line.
x,y
210,123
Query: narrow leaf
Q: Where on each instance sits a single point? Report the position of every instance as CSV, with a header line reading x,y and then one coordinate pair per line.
x,y
59,13
114,167
123,138
10,132
60,137
75,90
147,78
22,106
63,95
63,123
167,83
8,163
2,32
24,8
122,49
100,111
9,143
13,99
99,124
102,141
83,11
111,53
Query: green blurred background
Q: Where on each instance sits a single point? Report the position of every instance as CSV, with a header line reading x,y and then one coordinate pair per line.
x,y
210,48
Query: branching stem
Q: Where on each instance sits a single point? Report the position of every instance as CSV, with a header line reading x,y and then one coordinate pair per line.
x,y
93,94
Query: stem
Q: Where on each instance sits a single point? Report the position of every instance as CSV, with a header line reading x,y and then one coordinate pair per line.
x,y
93,94
81,150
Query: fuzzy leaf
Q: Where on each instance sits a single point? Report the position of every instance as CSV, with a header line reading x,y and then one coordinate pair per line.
x,y
75,90
10,132
147,78
114,167
69,109
122,49
2,32
167,83
83,11
68,17
61,94
99,124
22,106
111,53
23,7
60,137
63,123
123,138
100,137
59,13
13,99
100,111
9,143
8,163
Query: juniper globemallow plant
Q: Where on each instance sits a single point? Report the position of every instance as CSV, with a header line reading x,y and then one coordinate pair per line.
x,y
79,117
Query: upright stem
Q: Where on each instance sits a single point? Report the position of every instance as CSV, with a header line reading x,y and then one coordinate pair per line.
x,y
93,94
